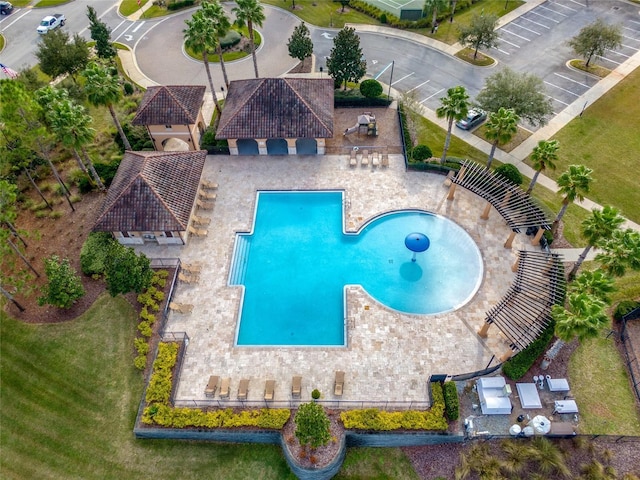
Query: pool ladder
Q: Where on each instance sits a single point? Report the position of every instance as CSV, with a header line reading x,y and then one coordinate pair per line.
x,y
240,259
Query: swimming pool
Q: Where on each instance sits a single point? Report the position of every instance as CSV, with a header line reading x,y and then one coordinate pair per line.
x,y
295,264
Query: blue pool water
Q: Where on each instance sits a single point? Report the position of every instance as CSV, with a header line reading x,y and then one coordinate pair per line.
x,y
296,262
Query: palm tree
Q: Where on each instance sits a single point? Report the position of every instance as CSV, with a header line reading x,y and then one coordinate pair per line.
x,y
619,252
544,155
584,319
599,226
250,13
71,124
102,88
596,283
501,127
200,36
454,106
433,6
572,184
221,24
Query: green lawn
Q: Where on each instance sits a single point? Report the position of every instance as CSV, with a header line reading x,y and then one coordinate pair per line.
x,y
323,13
433,136
127,7
607,139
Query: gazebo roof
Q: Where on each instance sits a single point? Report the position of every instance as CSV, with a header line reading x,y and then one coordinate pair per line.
x,y
278,108
152,191
170,105
525,310
517,208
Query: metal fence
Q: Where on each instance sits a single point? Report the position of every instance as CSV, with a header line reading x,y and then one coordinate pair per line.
x,y
295,403
590,437
631,359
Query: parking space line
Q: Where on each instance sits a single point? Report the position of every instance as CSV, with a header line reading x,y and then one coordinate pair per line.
x,y
633,21
506,41
632,29
629,46
500,50
546,18
608,60
525,28
568,8
418,86
571,80
631,38
617,53
551,10
539,24
515,34
559,101
563,89
431,96
578,3
400,79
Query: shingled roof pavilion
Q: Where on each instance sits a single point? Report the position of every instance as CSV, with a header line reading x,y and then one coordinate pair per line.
x,y
152,197
277,116
173,112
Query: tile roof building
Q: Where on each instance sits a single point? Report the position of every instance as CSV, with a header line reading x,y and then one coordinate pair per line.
x,y
271,116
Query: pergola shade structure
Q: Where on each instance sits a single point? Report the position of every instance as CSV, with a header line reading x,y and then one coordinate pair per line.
x,y
517,208
525,310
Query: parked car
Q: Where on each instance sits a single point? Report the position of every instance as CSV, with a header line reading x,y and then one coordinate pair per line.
x,y
474,118
51,22
5,8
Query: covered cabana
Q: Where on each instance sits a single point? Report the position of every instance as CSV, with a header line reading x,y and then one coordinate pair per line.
x,y
525,310
517,208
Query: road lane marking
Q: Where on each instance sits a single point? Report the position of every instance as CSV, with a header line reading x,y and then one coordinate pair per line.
x,y
546,18
418,86
525,28
516,35
431,96
552,10
563,89
537,23
124,31
572,80
400,79
25,13
138,27
119,25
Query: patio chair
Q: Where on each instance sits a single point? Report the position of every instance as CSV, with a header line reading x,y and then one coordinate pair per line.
x,y
365,158
243,389
181,307
209,185
204,205
198,232
212,386
385,160
224,387
338,385
296,386
206,195
375,162
193,268
269,387
353,161
201,221
190,279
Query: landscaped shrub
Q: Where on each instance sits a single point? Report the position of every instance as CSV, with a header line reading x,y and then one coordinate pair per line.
x,y
106,171
63,287
624,307
180,4
232,38
510,173
517,366
140,362
406,135
370,88
145,329
142,346
160,383
420,153
166,416
451,402
383,18
128,88
312,425
315,394
94,252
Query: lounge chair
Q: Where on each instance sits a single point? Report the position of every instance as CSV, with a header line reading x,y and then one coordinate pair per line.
x,y
296,387
181,307
224,387
365,158
191,267
212,386
198,232
338,386
190,279
202,221
385,160
206,195
375,162
204,205
243,389
269,387
209,185
353,161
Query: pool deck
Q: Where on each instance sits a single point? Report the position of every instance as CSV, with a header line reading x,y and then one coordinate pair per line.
x,y
389,356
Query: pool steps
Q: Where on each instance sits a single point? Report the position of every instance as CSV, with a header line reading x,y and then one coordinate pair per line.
x,y
240,258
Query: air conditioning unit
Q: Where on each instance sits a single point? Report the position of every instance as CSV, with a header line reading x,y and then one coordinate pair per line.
x,y
506,390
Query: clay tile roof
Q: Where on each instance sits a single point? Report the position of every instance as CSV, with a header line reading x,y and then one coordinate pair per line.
x,y
170,105
278,108
152,191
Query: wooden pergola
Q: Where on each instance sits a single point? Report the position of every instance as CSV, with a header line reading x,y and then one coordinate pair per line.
x,y
525,310
517,208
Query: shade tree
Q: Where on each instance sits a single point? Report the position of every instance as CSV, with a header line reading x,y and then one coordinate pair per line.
x,y
101,34
345,62
595,39
300,45
480,32
58,54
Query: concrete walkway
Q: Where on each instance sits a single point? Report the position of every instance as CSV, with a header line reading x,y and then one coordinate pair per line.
x,y
516,156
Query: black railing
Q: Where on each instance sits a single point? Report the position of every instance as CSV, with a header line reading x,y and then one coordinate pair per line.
x,y
631,359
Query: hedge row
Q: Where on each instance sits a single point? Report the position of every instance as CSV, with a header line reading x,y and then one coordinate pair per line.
x,y
181,4
451,401
166,416
160,383
374,419
517,366
150,301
